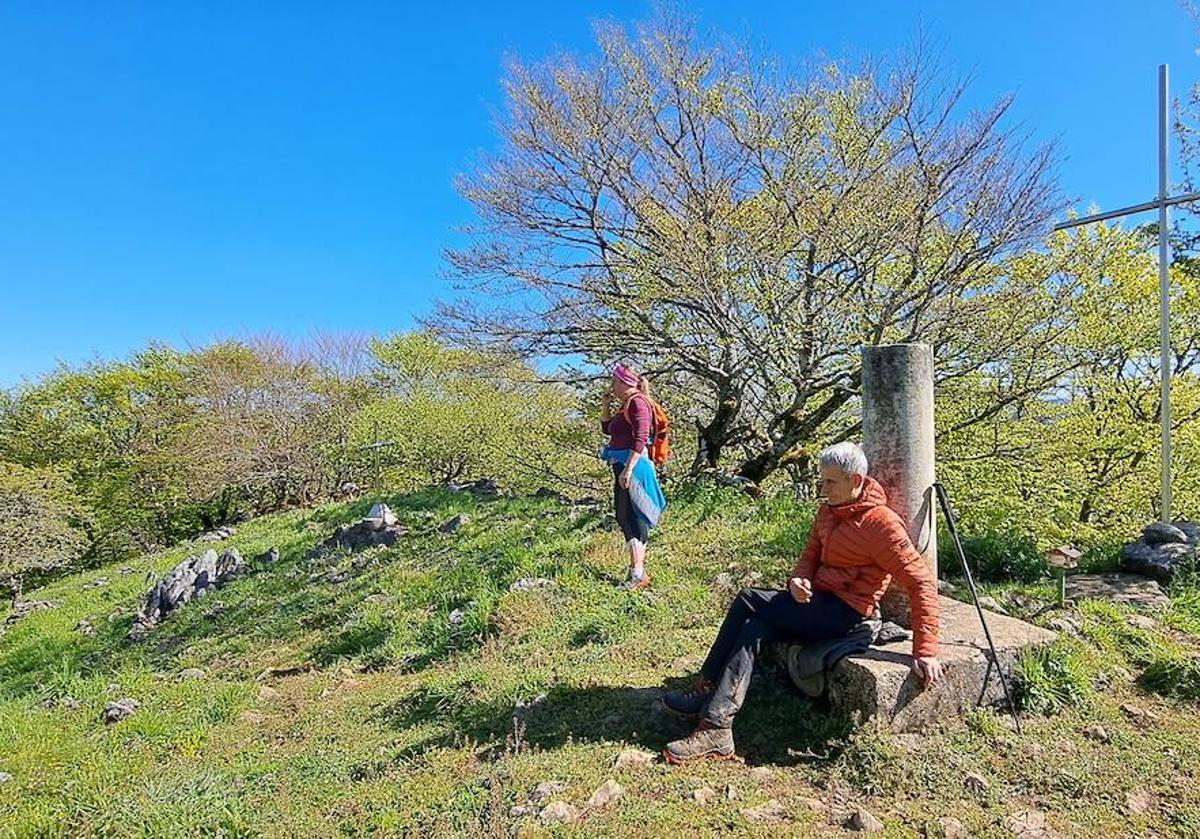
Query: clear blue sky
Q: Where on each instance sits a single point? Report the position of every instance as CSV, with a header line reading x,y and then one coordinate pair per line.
x,y
185,171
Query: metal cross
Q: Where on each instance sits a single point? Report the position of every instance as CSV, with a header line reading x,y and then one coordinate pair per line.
x,y
1161,203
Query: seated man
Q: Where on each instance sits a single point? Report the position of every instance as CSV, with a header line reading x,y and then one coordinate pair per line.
x,y
857,545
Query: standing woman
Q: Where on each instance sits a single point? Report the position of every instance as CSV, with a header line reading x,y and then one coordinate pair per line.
x,y
636,491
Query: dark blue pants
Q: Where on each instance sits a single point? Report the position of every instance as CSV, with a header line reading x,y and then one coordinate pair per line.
x,y
763,616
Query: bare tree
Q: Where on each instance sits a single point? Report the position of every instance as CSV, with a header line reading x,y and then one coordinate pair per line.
x,y
746,231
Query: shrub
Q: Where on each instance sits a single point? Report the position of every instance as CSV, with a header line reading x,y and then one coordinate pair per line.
x,y
997,557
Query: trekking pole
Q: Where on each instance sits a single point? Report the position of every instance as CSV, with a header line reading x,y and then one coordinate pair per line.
x,y
948,511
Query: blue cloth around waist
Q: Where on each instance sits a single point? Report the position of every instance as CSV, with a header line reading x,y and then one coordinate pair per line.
x,y
644,489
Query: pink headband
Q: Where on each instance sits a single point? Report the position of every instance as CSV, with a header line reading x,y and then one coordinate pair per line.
x,y
624,374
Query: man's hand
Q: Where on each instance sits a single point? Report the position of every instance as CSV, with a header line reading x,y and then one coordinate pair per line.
x,y
801,589
625,478
928,669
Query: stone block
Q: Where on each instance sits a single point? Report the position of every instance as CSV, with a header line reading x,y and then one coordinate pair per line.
x,y
880,683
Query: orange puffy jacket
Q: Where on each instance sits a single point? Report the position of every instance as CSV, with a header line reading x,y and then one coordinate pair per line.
x,y
856,549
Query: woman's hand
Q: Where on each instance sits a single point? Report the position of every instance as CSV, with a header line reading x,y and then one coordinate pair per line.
x,y
801,589
929,669
626,477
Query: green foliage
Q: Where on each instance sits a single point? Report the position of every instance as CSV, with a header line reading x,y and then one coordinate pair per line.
x,y
1174,674
995,557
1053,678
43,525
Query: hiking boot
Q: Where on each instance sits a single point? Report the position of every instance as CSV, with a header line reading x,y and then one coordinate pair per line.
x,y
689,703
635,585
705,741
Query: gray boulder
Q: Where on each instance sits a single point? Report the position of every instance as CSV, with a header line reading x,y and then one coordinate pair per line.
x,y
1161,533
116,711
189,580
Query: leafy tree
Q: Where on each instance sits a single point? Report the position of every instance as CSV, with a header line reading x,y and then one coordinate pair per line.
x,y
746,231
43,525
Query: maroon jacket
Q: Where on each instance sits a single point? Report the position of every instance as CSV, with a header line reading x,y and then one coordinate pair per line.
x,y
632,433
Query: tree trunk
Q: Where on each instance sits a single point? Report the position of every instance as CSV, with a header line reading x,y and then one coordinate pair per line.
x,y
714,436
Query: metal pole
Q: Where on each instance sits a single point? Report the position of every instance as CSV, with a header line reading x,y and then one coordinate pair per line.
x,y
1164,290
952,526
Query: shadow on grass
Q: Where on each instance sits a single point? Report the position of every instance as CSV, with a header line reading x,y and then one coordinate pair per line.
x,y
776,726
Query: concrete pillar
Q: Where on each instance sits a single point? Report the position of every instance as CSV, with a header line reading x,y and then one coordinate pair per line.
x,y
897,399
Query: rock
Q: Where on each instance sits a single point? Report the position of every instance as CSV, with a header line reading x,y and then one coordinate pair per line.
x,y
559,812
632,758
770,813
372,599
252,717
349,489
976,783
952,828
1068,624
336,575
762,774
879,683
730,792
1129,589
1142,622
545,790
1098,733
723,582
270,557
1139,801
863,822
457,617
521,811
186,581
484,488
1161,533
191,673
1160,560
380,516
991,604
84,628
70,703
1030,824
1190,530
26,608
365,533
605,794
5,777
99,582
890,633
1139,715
531,583
945,587
268,693
451,525
815,805
116,711
703,795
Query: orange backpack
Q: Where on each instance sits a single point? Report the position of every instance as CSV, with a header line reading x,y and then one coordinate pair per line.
x,y
658,447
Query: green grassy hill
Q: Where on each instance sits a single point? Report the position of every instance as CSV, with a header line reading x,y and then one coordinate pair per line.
x,y
360,708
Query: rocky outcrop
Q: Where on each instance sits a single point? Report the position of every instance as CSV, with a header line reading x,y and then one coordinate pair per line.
x,y
189,580
1163,550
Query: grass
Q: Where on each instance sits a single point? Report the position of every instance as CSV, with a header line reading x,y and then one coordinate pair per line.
x,y
359,709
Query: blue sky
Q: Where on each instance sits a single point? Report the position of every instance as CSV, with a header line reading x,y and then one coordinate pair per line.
x,y
186,171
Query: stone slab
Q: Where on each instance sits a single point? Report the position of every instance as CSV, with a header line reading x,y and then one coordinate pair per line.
x,y
880,683
1130,589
